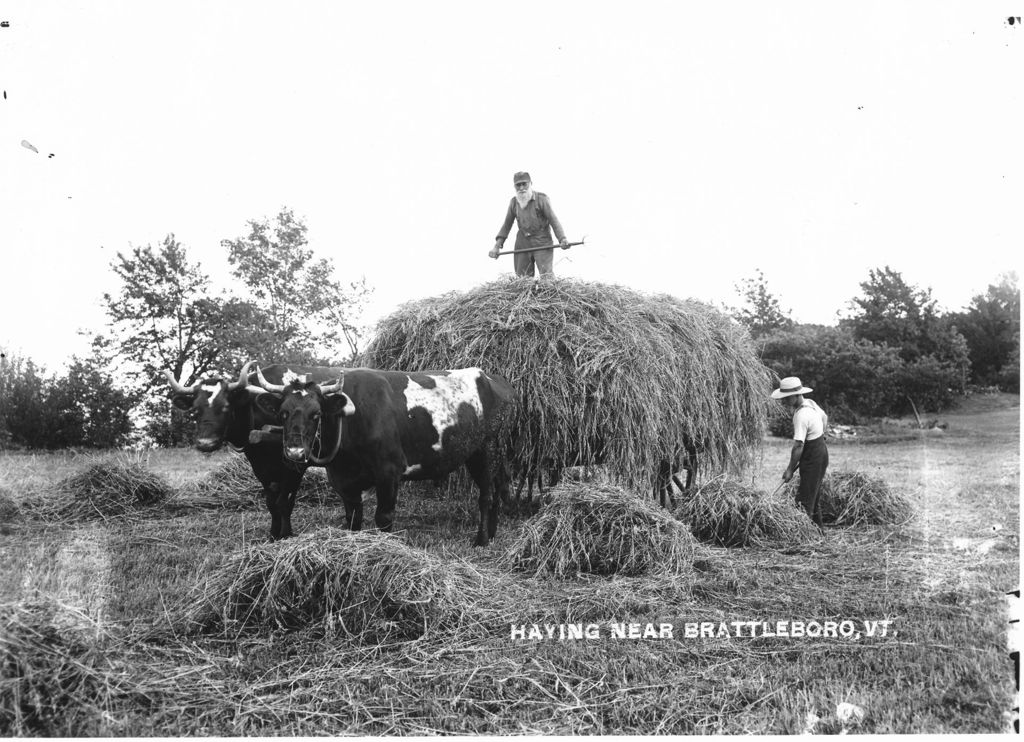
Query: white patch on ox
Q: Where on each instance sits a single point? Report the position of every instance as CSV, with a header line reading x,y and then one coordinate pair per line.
x,y
214,392
414,469
443,401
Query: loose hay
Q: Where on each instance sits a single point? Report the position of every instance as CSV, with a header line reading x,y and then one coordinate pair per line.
x,y
332,581
852,498
112,486
600,529
727,513
604,373
9,509
54,680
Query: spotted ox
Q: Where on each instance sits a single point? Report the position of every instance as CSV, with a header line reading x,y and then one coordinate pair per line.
x,y
225,413
377,428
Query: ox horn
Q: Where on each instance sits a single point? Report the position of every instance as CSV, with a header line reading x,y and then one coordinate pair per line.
x,y
332,388
243,378
176,385
279,388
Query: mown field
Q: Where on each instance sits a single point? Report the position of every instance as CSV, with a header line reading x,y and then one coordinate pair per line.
x,y
121,660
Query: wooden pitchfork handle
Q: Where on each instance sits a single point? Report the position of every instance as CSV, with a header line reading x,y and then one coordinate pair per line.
x,y
545,247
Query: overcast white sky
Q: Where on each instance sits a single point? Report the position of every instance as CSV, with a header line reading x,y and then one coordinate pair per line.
x,y
692,143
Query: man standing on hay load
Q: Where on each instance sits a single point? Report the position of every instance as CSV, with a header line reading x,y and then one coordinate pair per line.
x,y
532,211
809,454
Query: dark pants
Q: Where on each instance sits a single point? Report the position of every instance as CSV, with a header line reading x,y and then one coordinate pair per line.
x,y
813,463
525,261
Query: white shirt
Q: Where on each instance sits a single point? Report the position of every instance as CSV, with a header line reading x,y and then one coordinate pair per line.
x,y
809,421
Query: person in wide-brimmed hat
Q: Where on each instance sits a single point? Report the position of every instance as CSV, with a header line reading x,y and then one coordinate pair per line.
x,y
532,212
809,454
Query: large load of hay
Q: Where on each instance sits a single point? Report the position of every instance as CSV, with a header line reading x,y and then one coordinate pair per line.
x,y
604,373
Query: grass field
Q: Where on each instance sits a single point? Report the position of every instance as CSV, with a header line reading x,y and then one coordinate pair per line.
x,y
114,659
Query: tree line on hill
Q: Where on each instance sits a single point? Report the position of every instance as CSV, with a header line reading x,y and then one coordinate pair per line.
x,y
893,352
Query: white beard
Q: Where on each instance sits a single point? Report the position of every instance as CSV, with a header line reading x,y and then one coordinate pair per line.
x,y
524,198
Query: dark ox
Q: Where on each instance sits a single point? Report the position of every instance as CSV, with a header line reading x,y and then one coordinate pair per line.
x,y
226,414
377,428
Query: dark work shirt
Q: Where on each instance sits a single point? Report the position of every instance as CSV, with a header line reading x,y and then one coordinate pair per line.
x,y
535,222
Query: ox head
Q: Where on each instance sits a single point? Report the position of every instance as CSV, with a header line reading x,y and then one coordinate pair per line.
x,y
310,414
210,400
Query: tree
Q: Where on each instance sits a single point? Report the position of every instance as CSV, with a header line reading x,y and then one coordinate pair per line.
x,y
163,317
308,312
991,327
905,317
851,378
761,312
22,402
894,312
86,408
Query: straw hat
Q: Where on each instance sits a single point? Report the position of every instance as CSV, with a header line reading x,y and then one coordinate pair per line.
x,y
789,386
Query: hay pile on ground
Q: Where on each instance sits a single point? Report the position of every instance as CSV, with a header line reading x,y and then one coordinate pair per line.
x,y
112,486
231,486
603,372
600,529
53,676
727,513
852,498
366,586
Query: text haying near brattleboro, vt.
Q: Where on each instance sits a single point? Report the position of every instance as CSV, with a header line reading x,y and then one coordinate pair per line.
x,y
846,629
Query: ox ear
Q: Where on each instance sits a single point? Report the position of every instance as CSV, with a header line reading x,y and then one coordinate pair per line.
x,y
183,401
339,405
268,404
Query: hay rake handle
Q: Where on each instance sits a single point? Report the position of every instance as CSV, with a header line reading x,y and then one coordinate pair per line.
x,y
544,247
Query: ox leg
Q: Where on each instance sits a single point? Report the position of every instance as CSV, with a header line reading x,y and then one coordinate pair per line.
x,y
387,498
271,493
663,484
351,490
286,503
478,468
691,465
353,499
288,489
